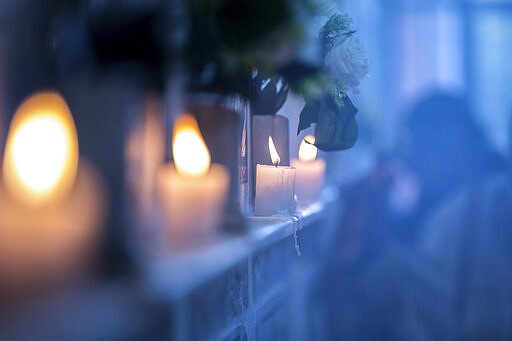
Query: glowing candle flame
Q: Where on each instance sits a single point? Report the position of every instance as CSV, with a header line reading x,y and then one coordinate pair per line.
x,y
307,149
191,156
41,154
273,152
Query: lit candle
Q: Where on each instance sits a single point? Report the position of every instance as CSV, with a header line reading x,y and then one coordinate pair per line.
x,y
192,192
51,205
309,179
275,186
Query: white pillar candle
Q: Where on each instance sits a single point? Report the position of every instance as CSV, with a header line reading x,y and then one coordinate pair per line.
x,y
51,205
192,194
309,178
275,187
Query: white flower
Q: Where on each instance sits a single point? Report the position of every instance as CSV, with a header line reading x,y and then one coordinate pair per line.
x,y
347,63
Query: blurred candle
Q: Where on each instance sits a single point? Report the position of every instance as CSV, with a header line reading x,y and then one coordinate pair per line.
x,y
51,205
309,178
144,153
275,188
192,192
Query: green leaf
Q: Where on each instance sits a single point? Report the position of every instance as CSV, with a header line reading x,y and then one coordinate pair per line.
x,y
243,23
267,101
263,104
297,70
309,114
281,98
336,128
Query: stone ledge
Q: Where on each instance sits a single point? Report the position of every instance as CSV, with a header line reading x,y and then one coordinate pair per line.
x,y
250,287
175,275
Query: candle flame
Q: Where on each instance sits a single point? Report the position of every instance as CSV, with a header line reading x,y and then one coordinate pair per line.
x,y
273,152
41,154
307,149
191,155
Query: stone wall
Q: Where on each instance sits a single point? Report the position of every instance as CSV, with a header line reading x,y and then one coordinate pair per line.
x,y
262,285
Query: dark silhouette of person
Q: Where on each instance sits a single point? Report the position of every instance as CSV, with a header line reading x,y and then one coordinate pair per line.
x,y
462,224
405,275
447,151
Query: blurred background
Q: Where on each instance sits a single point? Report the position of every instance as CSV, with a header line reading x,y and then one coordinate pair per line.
x,y
422,241
426,236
